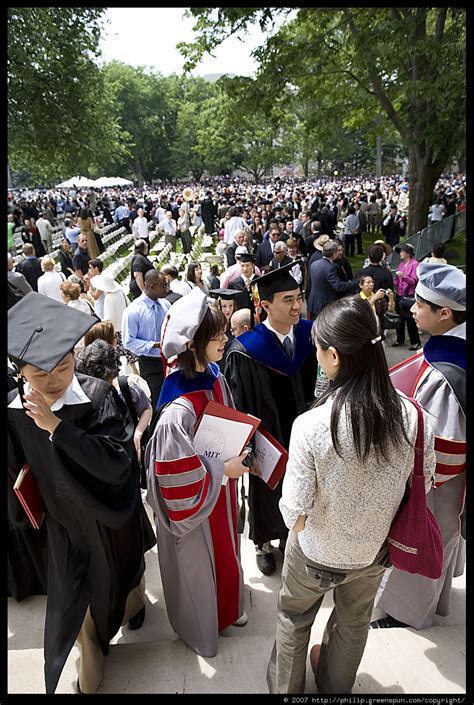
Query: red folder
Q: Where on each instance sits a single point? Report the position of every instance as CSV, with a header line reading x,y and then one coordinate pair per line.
x,y
27,491
403,375
280,467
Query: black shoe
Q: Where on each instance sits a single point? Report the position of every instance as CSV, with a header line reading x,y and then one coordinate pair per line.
x,y
397,345
415,347
387,623
137,621
266,563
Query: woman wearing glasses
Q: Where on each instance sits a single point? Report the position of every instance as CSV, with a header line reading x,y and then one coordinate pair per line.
x,y
194,497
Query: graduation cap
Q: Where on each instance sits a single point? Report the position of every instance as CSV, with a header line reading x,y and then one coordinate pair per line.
x,y
246,257
182,321
226,294
277,280
42,331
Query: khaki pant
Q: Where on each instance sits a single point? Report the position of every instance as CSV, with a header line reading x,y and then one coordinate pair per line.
x,y
345,636
91,664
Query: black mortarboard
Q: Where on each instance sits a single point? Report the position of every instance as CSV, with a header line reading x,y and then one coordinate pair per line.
x,y
246,257
225,294
276,280
42,331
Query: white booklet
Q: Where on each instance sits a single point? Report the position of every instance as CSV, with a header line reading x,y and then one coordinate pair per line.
x,y
267,456
221,438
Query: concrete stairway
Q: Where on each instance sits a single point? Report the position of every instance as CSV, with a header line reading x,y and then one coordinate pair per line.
x,y
154,660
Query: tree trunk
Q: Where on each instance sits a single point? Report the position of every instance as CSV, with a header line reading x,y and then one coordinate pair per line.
x,y
423,178
138,170
378,157
305,166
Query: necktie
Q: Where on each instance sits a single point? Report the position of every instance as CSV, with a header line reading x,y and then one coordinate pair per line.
x,y
288,345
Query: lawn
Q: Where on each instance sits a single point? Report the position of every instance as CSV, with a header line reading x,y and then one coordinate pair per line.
x,y
455,250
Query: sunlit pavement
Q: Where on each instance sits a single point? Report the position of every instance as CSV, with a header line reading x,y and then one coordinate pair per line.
x,y
154,660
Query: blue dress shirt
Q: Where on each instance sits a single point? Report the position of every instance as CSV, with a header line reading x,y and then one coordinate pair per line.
x,y
141,325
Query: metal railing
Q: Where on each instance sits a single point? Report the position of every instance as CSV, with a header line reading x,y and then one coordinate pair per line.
x,y
424,240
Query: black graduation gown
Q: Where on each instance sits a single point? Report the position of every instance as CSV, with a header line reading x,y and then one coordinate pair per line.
x,y
93,515
244,299
27,547
276,396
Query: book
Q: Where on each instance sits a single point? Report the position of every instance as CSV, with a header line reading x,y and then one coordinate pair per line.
x,y
222,432
271,457
27,491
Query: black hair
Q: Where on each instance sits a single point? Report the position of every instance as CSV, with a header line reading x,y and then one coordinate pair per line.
x,y
96,263
375,253
362,384
457,316
99,359
191,271
438,249
213,323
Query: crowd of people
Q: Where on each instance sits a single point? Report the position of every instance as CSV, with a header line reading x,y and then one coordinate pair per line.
x,y
256,337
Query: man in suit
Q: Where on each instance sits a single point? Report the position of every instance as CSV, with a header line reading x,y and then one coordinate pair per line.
x,y
264,253
239,238
326,285
281,255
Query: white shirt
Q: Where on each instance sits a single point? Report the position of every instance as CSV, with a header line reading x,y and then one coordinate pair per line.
x,y
140,227
160,214
74,394
115,303
48,285
179,287
168,226
231,227
45,228
281,337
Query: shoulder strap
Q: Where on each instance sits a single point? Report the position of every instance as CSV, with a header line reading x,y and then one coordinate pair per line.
x,y
125,389
419,443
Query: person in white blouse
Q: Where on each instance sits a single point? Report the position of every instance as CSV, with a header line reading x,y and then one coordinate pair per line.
x,y
50,281
350,457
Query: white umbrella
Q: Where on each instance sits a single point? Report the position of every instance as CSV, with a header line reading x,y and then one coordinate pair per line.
x,y
103,182
79,181
119,181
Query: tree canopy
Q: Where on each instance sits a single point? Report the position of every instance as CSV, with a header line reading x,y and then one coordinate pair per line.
x,y
329,82
407,64
59,117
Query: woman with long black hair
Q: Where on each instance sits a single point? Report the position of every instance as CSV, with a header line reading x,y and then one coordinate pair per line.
x,y
350,457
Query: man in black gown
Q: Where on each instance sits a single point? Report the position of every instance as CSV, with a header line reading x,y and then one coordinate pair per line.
x,y
272,372
75,434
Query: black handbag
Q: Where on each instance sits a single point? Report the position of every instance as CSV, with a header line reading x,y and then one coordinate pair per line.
x,y
406,302
390,320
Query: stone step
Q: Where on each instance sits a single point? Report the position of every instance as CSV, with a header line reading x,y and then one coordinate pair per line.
x,y
154,659
395,661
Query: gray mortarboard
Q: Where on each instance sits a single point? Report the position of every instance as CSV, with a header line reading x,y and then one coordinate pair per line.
x,y
42,331
226,294
442,284
182,321
277,280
